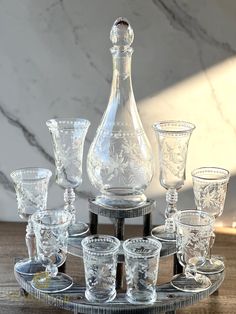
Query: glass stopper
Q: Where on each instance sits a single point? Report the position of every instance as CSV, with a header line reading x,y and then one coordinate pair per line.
x,y
122,34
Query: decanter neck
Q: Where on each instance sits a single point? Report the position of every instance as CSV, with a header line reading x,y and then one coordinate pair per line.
x,y
121,64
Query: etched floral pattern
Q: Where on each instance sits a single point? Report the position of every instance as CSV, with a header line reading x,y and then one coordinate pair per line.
x,y
49,241
173,155
141,275
193,234
68,141
212,198
33,196
68,157
119,159
173,158
100,263
210,187
103,275
51,231
141,265
31,185
192,244
173,139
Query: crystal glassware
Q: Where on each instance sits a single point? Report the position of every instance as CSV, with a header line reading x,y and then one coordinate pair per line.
x,y
31,186
141,265
193,233
120,161
210,187
173,139
68,136
51,231
100,263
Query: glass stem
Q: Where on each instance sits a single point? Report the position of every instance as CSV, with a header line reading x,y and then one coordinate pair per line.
x,y
190,271
52,270
69,198
171,209
212,241
30,240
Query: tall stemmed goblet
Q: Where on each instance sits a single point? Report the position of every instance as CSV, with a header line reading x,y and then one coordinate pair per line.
x,y
173,139
31,186
68,137
193,234
210,187
51,231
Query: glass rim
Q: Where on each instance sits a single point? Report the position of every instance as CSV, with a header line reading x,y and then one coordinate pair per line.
x,y
188,127
15,173
95,251
194,211
39,213
224,172
153,240
67,123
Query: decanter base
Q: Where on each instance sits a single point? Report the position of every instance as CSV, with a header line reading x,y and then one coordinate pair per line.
x,y
211,266
161,234
194,284
121,198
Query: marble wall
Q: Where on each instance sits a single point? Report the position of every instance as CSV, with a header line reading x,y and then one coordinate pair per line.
x,y
55,62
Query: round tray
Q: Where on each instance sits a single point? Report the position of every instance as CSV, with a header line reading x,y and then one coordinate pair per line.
x,y
75,248
168,299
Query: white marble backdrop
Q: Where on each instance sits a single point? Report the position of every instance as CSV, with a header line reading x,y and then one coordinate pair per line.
x,y
55,62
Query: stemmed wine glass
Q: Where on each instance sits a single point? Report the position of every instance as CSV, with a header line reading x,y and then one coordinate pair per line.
x,y
68,136
173,139
210,187
31,186
51,231
193,233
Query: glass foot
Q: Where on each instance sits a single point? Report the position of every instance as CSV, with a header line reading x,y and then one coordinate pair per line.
x,y
196,284
78,229
28,267
43,282
161,234
211,266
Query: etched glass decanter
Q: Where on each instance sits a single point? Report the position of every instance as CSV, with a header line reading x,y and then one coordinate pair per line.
x,y
120,161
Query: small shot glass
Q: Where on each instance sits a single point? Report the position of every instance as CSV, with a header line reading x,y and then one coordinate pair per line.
x,y
141,265
100,263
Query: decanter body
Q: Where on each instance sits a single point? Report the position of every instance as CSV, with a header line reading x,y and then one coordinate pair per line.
x,y
120,161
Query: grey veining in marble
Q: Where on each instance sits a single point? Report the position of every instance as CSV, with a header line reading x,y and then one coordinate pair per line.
x,y
55,62
183,21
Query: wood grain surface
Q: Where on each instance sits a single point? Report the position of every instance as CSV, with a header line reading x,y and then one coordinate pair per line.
x,y
12,245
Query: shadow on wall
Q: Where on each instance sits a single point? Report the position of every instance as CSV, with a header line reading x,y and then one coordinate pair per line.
x,y
186,44
173,40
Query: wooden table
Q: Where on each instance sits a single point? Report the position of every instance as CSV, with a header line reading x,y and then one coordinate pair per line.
x,y
12,245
